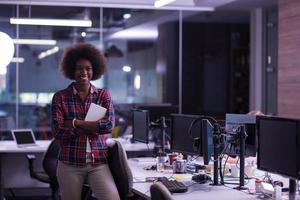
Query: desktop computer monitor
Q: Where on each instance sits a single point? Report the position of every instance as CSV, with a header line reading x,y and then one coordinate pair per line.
x,y
181,141
278,145
233,122
207,140
156,111
140,125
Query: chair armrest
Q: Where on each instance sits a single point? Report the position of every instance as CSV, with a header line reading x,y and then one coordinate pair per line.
x,y
30,157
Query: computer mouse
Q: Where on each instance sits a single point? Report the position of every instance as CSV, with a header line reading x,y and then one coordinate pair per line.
x,y
201,178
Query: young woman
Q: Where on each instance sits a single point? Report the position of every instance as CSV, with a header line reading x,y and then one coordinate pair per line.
x,y
83,155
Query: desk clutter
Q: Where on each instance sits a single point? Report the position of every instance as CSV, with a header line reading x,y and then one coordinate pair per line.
x,y
172,185
226,148
261,185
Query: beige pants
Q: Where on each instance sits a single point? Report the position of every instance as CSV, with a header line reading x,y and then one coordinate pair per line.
x,y
99,178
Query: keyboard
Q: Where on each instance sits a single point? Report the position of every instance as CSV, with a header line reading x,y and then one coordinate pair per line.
x,y
173,186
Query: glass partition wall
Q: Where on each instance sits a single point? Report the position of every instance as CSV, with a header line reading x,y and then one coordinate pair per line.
x,y
183,58
134,41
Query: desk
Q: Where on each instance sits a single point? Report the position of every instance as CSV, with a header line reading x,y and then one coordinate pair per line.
x,y
195,192
14,171
136,149
14,164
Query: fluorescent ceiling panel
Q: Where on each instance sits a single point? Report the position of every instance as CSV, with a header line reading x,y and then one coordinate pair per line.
x,y
160,3
136,33
34,41
130,4
51,22
18,59
48,52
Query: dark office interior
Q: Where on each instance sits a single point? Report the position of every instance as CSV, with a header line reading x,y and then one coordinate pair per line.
x,y
239,57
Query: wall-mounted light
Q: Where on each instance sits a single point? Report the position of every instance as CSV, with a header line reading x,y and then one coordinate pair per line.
x,y
160,3
126,68
51,22
34,41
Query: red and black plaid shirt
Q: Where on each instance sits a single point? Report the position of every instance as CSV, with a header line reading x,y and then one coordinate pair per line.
x,y
67,105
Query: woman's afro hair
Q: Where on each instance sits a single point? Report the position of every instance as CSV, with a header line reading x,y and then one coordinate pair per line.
x,y
79,51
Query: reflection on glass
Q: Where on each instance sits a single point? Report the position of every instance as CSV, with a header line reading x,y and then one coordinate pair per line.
x,y
128,37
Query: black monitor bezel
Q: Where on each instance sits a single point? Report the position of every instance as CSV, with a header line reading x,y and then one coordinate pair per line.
x,y
275,118
205,138
146,139
156,111
172,134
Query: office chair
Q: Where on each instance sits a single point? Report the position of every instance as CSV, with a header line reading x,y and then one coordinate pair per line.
x,y
159,192
49,165
118,165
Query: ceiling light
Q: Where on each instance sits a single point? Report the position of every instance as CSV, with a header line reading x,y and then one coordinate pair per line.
x,y
160,3
48,52
137,82
136,33
126,68
17,60
126,15
34,41
83,34
51,22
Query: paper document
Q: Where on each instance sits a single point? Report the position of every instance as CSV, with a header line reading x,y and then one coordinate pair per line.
x,y
144,159
95,113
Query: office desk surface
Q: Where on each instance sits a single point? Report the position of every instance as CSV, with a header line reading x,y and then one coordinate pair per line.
x,y
14,165
195,191
14,171
11,147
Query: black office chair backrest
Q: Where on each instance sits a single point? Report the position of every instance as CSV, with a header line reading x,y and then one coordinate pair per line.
x,y
159,192
117,161
50,160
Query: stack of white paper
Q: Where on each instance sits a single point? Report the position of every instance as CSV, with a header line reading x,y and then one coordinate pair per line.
x,y
95,113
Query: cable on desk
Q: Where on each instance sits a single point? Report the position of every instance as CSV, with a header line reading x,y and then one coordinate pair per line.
x,y
225,166
194,158
221,154
220,163
237,179
236,163
267,178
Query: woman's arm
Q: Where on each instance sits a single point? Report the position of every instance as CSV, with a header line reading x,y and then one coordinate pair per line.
x,y
61,127
104,125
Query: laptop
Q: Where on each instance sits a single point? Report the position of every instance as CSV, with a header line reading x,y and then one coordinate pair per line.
x,y
24,137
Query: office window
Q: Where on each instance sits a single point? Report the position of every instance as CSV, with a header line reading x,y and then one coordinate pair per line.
x,y
135,53
131,40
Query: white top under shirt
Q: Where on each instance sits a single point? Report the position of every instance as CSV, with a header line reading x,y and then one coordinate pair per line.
x,y
88,146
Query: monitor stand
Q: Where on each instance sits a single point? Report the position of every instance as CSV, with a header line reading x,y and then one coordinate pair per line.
x,y
292,186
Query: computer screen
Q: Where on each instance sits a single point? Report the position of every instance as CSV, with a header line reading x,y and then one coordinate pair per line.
x,y
233,122
23,137
278,140
207,140
181,141
156,111
140,125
